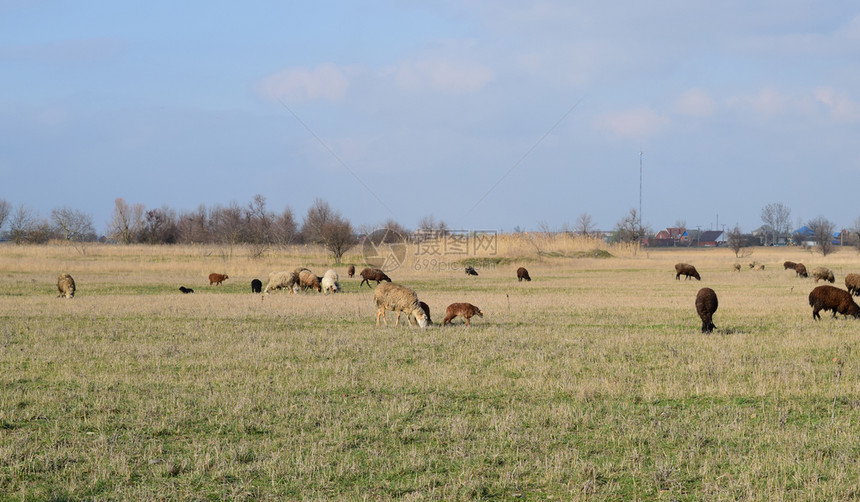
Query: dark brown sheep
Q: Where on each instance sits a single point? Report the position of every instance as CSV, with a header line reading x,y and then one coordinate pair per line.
x,y
465,310
852,282
217,279
350,271
470,270
789,265
256,286
372,274
834,299
66,285
523,274
706,305
185,290
824,274
800,270
687,270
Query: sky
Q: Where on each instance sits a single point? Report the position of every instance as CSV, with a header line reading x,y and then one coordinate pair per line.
x,y
485,114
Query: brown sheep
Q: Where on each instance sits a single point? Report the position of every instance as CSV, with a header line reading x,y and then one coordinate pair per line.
x,y
217,279
737,267
706,305
185,290
400,299
350,271
256,286
852,282
308,279
789,265
66,285
823,273
523,274
466,310
687,270
834,299
800,270
426,309
372,274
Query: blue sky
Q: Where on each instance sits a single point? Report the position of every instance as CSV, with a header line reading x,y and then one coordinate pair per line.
x,y
484,114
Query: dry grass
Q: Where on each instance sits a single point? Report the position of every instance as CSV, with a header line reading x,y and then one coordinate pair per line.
x,y
590,382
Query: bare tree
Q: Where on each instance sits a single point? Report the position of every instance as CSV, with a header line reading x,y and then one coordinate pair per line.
x,y
126,222
777,216
159,227
5,211
323,225
72,224
285,228
20,224
630,228
736,241
822,233
584,225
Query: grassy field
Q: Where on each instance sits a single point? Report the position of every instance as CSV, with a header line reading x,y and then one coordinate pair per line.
x,y
591,382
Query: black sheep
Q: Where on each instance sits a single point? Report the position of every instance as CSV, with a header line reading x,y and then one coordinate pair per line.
x,y
256,286
706,305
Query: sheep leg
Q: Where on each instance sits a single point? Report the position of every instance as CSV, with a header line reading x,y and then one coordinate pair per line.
x,y
381,312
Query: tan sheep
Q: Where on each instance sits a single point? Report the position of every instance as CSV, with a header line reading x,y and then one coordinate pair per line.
x,y
852,282
66,285
399,298
282,280
823,273
737,267
309,280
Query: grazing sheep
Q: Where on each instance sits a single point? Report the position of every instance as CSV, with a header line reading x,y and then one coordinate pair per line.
x,y
330,282
852,282
283,280
256,286
426,309
308,279
350,271
217,279
752,265
523,274
789,265
466,310
66,285
185,290
687,270
760,266
706,305
823,273
399,298
737,267
470,270
372,274
800,270
834,299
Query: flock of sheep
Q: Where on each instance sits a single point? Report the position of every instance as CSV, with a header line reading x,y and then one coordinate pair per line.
x,y
824,297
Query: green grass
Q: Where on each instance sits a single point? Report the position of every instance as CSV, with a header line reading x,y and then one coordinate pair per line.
x,y
591,384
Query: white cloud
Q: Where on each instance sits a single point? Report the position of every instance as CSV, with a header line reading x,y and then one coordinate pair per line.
x,y
442,75
840,106
326,82
637,123
697,103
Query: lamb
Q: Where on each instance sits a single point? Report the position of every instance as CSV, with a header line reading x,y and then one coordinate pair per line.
x,y
350,271
308,279
852,282
687,270
834,299
800,270
823,273
66,285
372,274
330,282
399,298
470,270
283,280
217,279
185,290
706,305
523,274
256,286
466,310
789,265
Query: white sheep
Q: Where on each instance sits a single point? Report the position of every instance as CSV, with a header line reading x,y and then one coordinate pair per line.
x,y
393,296
282,280
330,282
